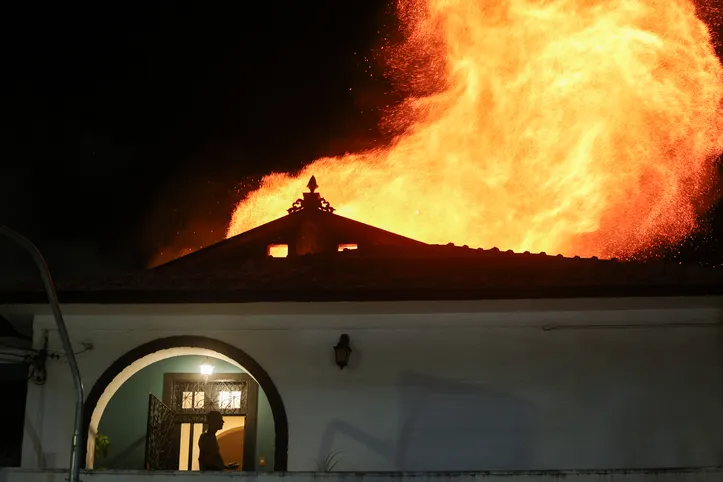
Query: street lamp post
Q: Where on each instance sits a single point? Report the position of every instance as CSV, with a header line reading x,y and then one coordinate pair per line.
x,y
33,250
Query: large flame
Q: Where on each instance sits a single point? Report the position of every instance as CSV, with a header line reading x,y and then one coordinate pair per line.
x,y
586,127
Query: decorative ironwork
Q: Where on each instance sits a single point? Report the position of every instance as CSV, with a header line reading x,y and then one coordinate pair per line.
x,y
192,400
325,206
297,206
161,441
311,200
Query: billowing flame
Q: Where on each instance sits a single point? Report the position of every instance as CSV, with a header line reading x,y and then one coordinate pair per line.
x,y
586,127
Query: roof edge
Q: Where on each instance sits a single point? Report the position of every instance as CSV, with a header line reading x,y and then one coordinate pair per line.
x,y
359,295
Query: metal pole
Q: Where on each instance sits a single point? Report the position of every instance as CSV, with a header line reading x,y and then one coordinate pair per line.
x,y
26,244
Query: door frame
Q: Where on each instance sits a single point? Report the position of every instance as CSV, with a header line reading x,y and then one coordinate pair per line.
x,y
248,463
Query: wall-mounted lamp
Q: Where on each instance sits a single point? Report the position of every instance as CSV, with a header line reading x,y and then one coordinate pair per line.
x,y
342,350
206,368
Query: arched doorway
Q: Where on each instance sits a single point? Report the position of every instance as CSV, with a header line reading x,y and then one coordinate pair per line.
x,y
146,354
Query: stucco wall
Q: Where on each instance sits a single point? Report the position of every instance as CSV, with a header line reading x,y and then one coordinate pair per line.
x,y
448,386
708,474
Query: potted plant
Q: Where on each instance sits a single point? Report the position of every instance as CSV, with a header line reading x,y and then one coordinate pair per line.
x,y
327,464
102,442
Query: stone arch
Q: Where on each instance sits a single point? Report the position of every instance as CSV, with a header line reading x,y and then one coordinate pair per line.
x,y
142,356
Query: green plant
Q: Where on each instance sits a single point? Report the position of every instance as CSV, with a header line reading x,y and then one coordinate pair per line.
x,y
329,462
102,442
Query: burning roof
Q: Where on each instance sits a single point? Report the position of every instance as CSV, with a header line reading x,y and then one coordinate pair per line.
x,y
332,258
582,127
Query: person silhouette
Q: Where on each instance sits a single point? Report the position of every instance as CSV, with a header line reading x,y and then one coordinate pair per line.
x,y
209,457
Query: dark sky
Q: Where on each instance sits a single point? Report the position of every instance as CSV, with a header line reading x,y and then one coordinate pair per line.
x,y
128,127
124,123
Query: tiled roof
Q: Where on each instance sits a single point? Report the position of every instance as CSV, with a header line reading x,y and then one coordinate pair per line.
x,y
386,266
424,272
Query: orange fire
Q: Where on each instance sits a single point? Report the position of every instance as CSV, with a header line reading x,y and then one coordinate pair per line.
x,y
586,127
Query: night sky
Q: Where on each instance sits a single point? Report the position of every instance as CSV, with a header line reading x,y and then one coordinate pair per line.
x,y
129,128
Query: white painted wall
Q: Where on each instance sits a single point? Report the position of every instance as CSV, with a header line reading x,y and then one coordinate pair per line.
x,y
675,475
444,386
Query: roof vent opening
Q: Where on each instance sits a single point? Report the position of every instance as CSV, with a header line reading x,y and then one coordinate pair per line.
x,y
344,247
277,250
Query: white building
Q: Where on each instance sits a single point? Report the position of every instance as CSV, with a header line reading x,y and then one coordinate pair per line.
x,y
461,360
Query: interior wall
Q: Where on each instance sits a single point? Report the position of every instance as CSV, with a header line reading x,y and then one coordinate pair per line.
x,y
231,440
265,435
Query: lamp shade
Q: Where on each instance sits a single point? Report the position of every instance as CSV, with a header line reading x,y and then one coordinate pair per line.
x,y
206,368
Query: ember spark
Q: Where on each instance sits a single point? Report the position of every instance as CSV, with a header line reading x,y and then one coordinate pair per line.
x,y
582,127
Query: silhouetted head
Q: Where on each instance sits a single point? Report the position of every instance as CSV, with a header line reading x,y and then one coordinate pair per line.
x,y
214,420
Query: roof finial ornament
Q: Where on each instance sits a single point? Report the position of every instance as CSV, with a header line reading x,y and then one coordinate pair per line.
x,y
313,186
312,200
